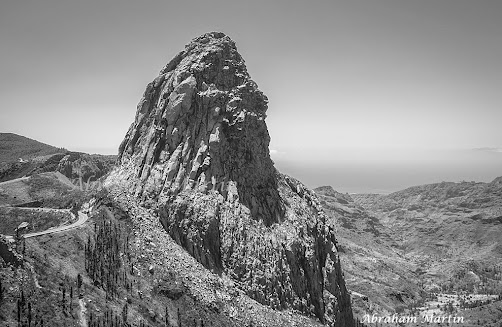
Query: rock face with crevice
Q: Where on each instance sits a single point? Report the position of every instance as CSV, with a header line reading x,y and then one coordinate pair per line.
x,y
197,152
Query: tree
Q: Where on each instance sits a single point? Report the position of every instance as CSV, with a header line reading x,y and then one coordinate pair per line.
x,y
29,314
168,324
124,313
18,311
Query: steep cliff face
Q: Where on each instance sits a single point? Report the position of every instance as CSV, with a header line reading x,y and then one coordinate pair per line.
x,y
198,154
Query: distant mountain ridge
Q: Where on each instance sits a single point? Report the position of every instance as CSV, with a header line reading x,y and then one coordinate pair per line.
x,y
22,156
14,146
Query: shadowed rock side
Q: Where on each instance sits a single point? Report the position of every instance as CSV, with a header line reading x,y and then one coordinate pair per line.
x,y
198,153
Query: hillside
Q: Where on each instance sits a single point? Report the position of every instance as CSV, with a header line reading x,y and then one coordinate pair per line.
x,y
403,251
376,271
51,189
13,147
447,228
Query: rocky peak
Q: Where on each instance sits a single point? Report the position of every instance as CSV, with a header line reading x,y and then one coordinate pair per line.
x,y
201,126
197,152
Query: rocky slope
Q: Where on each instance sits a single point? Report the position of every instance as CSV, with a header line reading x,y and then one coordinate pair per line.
x,y
197,156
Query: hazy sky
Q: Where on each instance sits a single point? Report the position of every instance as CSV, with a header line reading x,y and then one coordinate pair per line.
x,y
375,83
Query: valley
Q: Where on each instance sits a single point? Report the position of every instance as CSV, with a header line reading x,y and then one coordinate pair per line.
x,y
431,249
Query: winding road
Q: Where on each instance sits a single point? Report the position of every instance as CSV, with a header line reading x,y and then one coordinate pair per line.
x,y
82,218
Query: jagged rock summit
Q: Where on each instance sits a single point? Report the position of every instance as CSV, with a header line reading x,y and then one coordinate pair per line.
x,y
197,153
201,126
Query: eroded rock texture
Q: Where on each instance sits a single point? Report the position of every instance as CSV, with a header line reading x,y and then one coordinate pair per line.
x,y
198,153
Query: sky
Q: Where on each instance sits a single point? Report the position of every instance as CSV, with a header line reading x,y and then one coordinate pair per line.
x,y
366,96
